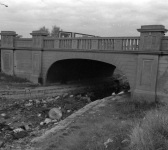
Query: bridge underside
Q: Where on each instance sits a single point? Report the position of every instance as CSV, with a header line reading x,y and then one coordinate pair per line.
x,y
78,69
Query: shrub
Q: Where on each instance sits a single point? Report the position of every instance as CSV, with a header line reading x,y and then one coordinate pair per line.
x,y
152,132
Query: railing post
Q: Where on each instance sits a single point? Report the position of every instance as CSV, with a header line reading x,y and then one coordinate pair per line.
x,y
37,72
147,65
7,48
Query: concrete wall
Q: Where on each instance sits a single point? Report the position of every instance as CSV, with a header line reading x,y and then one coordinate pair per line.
x,y
162,78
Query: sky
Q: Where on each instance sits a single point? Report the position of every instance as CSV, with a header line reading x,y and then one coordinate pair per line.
x,y
107,18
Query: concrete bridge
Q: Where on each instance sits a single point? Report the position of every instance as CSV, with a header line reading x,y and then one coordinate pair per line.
x,y
143,59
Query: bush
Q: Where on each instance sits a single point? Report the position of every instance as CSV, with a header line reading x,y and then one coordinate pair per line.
x,y
152,132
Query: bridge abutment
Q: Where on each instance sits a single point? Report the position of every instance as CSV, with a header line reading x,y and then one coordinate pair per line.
x,y
148,64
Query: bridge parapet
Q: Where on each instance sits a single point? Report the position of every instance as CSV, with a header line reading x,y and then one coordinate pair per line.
x,y
164,43
104,43
23,42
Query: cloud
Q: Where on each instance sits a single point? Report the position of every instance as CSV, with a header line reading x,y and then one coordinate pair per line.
x,y
99,17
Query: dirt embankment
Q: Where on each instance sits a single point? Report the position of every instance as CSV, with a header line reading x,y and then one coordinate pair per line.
x,y
21,119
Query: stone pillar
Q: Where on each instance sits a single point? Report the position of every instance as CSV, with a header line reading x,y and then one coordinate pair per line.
x,y
37,47
7,47
147,62
38,37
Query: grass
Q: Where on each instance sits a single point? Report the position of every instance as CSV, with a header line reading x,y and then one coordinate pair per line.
x,y
12,82
152,132
116,121
10,78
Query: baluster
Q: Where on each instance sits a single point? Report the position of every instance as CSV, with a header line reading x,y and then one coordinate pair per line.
x,y
109,44
84,44
105,44
68,44
60,43
65,45
132,44
112,44
124,44
128,44
87,44
102,44
89,47
80,44
99,44
137,44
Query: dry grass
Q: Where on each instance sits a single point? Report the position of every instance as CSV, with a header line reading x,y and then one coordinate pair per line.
x,y
152,132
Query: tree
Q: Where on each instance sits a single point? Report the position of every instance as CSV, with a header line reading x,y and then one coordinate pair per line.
x,y
19,36
55,31
44,29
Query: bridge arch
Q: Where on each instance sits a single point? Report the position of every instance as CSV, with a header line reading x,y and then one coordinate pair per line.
x,y
78,69
126,63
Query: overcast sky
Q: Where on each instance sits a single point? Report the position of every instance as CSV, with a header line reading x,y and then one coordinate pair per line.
x,y
97,17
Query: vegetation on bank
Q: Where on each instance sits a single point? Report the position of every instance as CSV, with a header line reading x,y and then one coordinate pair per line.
x,y
151,133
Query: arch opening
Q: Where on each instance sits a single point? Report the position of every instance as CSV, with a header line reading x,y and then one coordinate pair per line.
x,y
78,69
102,78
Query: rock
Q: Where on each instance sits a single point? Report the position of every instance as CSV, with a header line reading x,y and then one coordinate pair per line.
x,y
1,143
47,120
55,113
55,120
18,130
68,111
39,115
20,134
30,100
27,127
50,100
71,96
57,97
107,142
44,102
45,105
3,114
28,104
41,123
66,94
122,92
113,94
37,101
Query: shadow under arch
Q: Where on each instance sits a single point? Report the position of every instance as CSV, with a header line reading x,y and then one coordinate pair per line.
x,y
78,69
